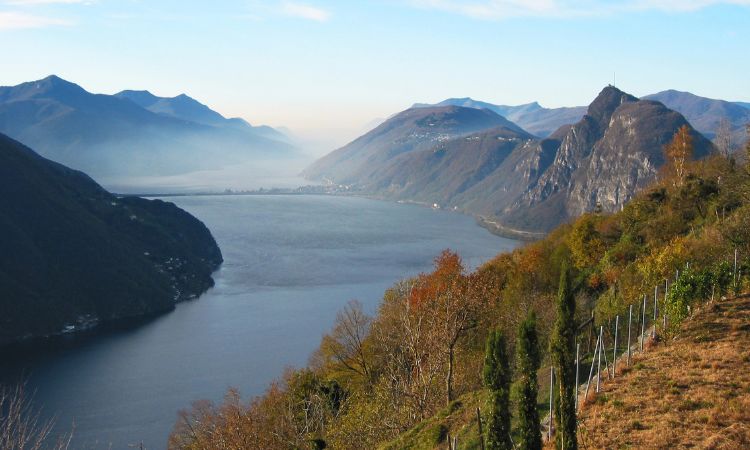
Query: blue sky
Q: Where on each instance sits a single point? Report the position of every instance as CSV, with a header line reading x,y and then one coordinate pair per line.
x,y
326,68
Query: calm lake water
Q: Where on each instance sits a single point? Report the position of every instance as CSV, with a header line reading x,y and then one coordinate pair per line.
x,y
291,262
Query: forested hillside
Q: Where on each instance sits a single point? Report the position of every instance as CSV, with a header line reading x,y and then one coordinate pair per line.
x,y
412,365
73,255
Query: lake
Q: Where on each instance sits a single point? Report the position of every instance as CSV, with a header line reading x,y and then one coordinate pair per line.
x,y
291,262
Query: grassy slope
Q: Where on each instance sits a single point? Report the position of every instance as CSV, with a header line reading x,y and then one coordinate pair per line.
x,y
693,391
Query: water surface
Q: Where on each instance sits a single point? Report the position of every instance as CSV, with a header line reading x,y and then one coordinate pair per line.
x,y
291,262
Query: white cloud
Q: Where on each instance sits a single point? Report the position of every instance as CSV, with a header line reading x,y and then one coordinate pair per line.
x,y
304,11
503,9
10,20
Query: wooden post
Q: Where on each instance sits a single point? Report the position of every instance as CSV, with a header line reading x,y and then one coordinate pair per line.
x,y
578,349
551,391
455,442
614,352
630,319
591,372
643,321
481,434
734,273
599,364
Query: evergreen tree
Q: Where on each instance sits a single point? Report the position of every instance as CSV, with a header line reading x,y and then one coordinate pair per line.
x,y
497,379
528,360
563,358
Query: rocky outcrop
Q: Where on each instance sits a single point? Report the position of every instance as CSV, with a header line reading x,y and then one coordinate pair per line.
x,y
515,180
605,158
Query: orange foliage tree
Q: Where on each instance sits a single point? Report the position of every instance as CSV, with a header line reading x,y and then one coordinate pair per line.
x,y
453,299
677,154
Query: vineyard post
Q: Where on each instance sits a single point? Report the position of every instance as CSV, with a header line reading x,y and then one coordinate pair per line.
x,y
591,372
551,391
630,319
591,332
599,364
606,361
614,352
643,321
656,317
578,348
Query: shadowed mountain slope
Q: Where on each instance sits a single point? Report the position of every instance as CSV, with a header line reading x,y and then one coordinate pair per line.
x,y
72,254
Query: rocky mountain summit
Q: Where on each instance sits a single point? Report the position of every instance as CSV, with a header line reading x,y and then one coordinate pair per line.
x,y
506,175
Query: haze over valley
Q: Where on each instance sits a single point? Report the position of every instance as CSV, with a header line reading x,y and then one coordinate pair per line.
x,y
306,225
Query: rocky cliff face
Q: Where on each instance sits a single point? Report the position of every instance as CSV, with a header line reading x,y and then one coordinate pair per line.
x,y
605,158
522,182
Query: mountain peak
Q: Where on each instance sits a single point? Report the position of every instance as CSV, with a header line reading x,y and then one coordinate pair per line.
x,y
53,81
608,100
142,98
48,87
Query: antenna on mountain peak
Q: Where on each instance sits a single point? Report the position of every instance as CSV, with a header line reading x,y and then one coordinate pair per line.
x,y
614,79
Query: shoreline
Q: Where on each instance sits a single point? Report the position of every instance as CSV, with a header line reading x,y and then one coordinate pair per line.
x,y
489,224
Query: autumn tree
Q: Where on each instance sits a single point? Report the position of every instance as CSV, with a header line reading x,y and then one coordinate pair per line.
x,y
528,360
448,294
562,349
346,345
410,364
677,154
585,243
497,378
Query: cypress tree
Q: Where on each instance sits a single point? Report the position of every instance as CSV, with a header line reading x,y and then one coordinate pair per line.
x,y
563,358
528,360
497,379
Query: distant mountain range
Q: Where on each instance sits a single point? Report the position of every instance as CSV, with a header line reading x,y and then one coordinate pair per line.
x,y
476,161
532,117
186,108
703,113
131,133
706,113
412,130
73,255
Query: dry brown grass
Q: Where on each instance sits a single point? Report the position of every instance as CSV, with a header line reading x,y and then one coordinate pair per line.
x,y
690,392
